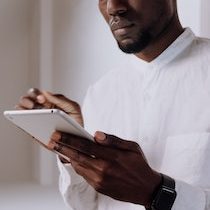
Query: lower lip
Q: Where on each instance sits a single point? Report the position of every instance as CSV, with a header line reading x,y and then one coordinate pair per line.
x,y
122,31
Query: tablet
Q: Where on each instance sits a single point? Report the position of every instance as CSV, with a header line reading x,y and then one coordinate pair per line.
x,y
41,123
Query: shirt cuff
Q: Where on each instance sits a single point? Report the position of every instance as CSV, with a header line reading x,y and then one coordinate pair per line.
x,y
189,197
68,177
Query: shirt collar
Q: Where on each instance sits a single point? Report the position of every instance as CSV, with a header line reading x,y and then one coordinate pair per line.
x,y
169,54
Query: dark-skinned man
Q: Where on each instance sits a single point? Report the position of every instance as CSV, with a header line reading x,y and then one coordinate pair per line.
x,y
150,119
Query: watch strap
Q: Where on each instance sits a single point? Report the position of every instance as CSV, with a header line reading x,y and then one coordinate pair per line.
x,y
165,196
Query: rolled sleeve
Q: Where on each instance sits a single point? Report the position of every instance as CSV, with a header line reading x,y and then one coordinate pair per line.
x,y
68,177
186,159
189,197
76,192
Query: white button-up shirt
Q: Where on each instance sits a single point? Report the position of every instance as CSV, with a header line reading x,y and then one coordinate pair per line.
x,y
164,106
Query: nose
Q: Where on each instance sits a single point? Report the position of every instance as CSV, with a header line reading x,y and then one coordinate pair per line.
x,y
116,7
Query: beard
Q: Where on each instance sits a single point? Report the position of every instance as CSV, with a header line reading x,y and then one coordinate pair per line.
x,y
142,41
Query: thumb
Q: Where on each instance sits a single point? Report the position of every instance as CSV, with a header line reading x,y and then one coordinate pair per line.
x,y
114,141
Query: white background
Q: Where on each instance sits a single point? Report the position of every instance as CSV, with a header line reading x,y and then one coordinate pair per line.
x,y
62,46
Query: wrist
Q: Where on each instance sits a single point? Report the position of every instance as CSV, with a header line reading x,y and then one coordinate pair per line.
x,y
155,184
165,196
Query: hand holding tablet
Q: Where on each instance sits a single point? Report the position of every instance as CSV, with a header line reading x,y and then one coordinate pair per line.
x,y
41,113
41,123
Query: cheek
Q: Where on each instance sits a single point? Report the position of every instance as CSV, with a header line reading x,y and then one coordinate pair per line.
x,y
103,9
167,7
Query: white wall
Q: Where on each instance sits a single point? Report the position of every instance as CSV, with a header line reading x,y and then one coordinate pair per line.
x,y
195,14
83,47
15,148
205,17
190,12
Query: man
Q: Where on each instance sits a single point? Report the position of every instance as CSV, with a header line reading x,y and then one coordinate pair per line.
x,y
159,103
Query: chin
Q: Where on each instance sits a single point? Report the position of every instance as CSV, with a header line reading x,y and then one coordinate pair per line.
x,y
131,46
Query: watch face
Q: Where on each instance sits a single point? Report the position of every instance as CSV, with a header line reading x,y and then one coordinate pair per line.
x,y
165,199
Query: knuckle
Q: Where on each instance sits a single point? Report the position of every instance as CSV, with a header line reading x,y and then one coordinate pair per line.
x,y
78,156
86,147
77,143
115,141
118,157
76,167
135,145
65,138
76,105
105,172
112,138
98,184
104,168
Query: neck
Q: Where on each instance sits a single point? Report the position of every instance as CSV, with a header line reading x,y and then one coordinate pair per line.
x,y
164,39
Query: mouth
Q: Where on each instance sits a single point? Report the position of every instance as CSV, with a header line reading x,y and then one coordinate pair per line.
x,y
121,27
122,31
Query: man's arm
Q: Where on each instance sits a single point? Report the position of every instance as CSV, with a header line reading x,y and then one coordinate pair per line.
x,y
117,168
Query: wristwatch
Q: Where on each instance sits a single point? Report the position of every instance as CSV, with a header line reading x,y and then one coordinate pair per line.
x,y
165,196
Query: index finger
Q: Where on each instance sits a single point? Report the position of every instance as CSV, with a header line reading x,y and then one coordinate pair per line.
x,y
40,99
85,146
33,93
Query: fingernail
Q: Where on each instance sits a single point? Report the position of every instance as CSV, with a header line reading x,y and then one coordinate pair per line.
x,y
56,136
41,99
100,136
33,92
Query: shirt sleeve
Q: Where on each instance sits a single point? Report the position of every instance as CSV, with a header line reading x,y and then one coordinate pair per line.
x,y
190,197
76,192
186,159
